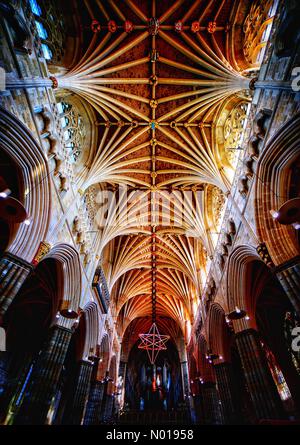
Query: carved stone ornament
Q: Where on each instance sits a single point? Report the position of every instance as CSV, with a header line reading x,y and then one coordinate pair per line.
x,y
128,26
43,249
112,26
153,26
178,26
195,27
95,26
212,26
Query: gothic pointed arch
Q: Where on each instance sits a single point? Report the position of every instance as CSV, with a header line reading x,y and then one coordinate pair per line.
x,y
219,338
241,291
70,277
34,179
92,316
103,352
273,180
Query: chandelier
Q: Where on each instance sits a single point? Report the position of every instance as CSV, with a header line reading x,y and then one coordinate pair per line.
x,y
153,341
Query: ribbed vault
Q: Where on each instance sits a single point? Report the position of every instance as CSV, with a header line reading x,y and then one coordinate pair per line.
x,y
159,75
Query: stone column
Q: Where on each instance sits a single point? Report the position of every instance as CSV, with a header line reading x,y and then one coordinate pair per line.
x,y
122,373
76,407
13,273
4,364
13,83
288,275
107,403
261,386
273,85
122,369
227,393
187,391
211,413
94,404
198,408
44,379
108,407
12,380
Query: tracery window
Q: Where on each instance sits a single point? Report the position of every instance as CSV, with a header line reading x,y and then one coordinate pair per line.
x,y
47,24
74,129
43,35
35,7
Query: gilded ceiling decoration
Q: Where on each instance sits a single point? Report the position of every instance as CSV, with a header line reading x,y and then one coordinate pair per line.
x,y
255,28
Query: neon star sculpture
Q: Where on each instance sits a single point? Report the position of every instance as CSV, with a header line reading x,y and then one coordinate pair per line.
x,y
153,342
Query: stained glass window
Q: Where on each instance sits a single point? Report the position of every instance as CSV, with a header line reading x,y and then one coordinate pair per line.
x,y
35,7
47,53
277,375
50,28
42,32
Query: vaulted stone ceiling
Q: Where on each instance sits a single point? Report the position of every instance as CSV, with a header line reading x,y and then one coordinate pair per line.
x,y
163,77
